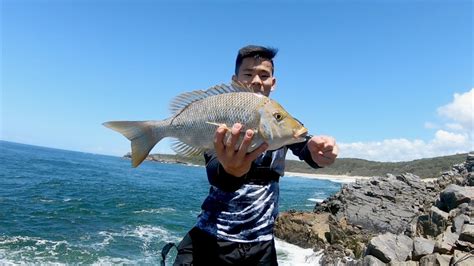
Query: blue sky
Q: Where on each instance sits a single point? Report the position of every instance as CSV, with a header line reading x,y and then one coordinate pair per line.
x,y
390,80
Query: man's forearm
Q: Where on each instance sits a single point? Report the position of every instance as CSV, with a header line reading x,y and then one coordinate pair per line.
x,y
218,177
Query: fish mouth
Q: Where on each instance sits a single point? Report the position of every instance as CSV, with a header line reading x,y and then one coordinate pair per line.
x,y
300,133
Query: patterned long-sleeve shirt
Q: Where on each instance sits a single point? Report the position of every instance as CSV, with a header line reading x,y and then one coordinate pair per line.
x,y
244,209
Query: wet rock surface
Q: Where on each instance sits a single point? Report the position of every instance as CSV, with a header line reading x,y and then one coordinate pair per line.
x,y
395,220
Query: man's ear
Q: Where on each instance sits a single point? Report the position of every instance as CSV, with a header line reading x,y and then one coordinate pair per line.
x,y
274,81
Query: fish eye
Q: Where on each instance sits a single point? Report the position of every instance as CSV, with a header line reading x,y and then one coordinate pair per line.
x,y
278,116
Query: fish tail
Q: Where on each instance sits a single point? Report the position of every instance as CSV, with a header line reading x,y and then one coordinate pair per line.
x,y
144,135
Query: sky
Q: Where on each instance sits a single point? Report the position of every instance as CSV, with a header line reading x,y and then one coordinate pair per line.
x,y
389,80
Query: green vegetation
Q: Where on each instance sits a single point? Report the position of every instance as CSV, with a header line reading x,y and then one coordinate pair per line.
x,y
424,168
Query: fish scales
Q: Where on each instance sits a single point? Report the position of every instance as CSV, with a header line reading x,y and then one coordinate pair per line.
x,y
191,124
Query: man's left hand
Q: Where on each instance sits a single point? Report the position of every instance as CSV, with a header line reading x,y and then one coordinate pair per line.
x,y
323,150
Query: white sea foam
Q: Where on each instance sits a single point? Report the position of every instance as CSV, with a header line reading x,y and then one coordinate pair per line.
x,y
316,200
156,211
146,233
113,261
42,249
292,255
46,200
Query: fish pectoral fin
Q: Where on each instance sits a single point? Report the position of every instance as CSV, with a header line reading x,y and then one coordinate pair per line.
x,y
187,150
219,125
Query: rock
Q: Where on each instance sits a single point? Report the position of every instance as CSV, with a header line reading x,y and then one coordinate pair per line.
x,y
333,255
439,218
467,233
422,247
434,223
404,263
435,259
459,221
307,230
382,214
438,215
381,204
368,260
454,195
464,245
462,258
446,242
389,247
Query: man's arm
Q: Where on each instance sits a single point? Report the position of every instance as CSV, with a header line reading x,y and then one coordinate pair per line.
x,y
218,177
317,152
227,167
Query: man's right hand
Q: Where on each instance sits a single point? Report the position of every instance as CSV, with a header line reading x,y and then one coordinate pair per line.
x,y
235,162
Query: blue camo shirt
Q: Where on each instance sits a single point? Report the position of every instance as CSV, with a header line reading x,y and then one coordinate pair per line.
x,y
240,210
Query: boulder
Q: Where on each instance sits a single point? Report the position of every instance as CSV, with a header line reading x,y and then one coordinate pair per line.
x,y
453,196
467,233
464,245
307,230
435,259
368,260
446,242
404,263
459,221
434,223
384,218
462,258
390,247
422,247
381,204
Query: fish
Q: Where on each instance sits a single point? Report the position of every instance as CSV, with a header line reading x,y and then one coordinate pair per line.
x,y
197,114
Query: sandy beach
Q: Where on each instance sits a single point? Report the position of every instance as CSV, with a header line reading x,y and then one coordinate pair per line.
x,y
334,178
338,178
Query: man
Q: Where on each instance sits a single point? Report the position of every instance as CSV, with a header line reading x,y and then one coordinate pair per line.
x,y
235,226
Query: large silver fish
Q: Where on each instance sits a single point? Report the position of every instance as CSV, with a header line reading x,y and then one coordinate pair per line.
x,y
197,114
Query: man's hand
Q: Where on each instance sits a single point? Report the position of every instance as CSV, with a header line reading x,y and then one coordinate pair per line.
x,y
323,150
235,162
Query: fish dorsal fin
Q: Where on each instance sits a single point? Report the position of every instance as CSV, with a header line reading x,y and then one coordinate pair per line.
x,y
184,99
184,149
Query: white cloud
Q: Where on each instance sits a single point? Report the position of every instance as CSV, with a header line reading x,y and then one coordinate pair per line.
x,y
393,150
449,139
460,110
444,142
454,126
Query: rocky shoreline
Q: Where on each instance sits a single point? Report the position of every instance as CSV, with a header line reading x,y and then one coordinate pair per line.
x,y
395,220
161,159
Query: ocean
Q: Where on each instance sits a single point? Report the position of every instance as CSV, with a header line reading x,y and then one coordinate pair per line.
x,y
66,207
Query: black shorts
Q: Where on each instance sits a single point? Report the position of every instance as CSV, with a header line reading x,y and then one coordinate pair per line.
x,y
200,248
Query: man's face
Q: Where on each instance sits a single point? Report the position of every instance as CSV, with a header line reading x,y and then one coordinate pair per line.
x,y
257,74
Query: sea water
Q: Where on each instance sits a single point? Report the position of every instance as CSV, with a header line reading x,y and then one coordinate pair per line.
x,y
65,207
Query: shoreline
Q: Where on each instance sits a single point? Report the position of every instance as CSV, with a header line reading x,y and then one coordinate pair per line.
x,y
334,178
338,178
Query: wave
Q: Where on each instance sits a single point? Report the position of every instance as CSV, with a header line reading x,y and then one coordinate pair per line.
x,y
92,248
316,200
292,255
146,233
25,249
156,211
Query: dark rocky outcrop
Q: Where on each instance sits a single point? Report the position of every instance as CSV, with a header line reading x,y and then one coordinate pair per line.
x,y
396,220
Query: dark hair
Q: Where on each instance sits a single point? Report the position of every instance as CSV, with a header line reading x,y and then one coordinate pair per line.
x,y
256,52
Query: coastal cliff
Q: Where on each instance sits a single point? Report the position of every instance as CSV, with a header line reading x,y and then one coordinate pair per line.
x,y
392,219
